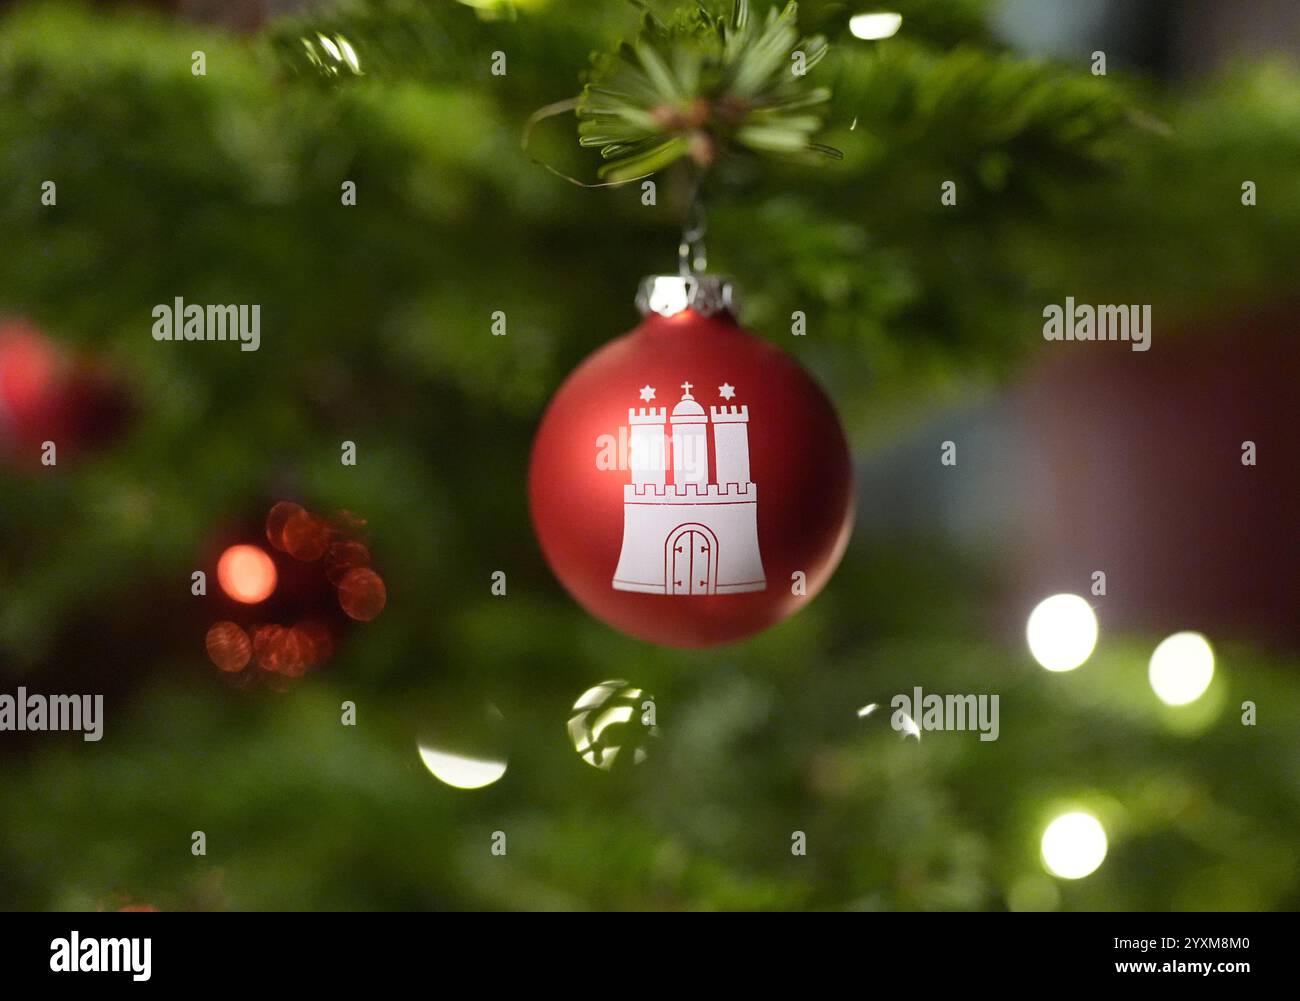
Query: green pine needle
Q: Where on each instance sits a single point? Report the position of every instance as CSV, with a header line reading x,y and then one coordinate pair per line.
x,y
703,87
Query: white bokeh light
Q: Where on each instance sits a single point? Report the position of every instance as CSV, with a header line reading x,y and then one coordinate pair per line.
x,y
1181,668
1074,845
874,26
464,747
461,771
1062,632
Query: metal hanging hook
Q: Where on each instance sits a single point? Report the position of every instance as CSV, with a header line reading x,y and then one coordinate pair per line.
x,y
691,255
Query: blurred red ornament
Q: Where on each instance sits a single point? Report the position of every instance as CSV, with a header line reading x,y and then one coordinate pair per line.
x,y
229,646
30,376
687,474
95,406
362,594
47,396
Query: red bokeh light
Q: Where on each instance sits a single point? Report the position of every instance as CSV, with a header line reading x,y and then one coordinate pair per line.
x,y
344,557
347,524
317,640
246,573
305,536
276,520
336,545
229,646
362,594
269,646
292,650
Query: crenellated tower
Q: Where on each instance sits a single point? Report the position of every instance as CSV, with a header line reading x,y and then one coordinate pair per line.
x,y
647,451
731,444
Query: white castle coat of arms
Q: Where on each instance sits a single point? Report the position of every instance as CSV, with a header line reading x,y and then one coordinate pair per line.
x,y
691,536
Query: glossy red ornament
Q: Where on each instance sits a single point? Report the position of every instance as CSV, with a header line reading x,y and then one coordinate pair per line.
x,y
47,394
686,475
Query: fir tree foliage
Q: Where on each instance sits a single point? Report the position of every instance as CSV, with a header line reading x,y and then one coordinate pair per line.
x,y
702,83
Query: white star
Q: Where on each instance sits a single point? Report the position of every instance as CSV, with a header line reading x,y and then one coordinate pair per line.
x,y
647,393
726,390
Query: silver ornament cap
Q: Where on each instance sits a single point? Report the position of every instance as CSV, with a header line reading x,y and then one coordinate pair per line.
x,y
668,295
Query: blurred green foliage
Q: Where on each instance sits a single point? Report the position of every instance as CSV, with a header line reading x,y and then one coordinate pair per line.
x,y
376,320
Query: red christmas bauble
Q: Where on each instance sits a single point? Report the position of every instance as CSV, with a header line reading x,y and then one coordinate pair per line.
x,y
687,474
46,395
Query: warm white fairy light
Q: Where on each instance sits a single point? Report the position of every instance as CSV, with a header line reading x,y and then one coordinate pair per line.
x,y
461,771
875,25
1181,668
1074,845
1062,632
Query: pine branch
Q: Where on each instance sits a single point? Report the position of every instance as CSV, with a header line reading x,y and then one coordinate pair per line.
x,y
701,86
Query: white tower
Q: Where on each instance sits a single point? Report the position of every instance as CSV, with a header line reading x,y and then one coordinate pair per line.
x,y
731,444
690,440
647,454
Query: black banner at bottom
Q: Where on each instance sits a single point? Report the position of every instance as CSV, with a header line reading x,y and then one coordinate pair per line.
x,y
146,951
